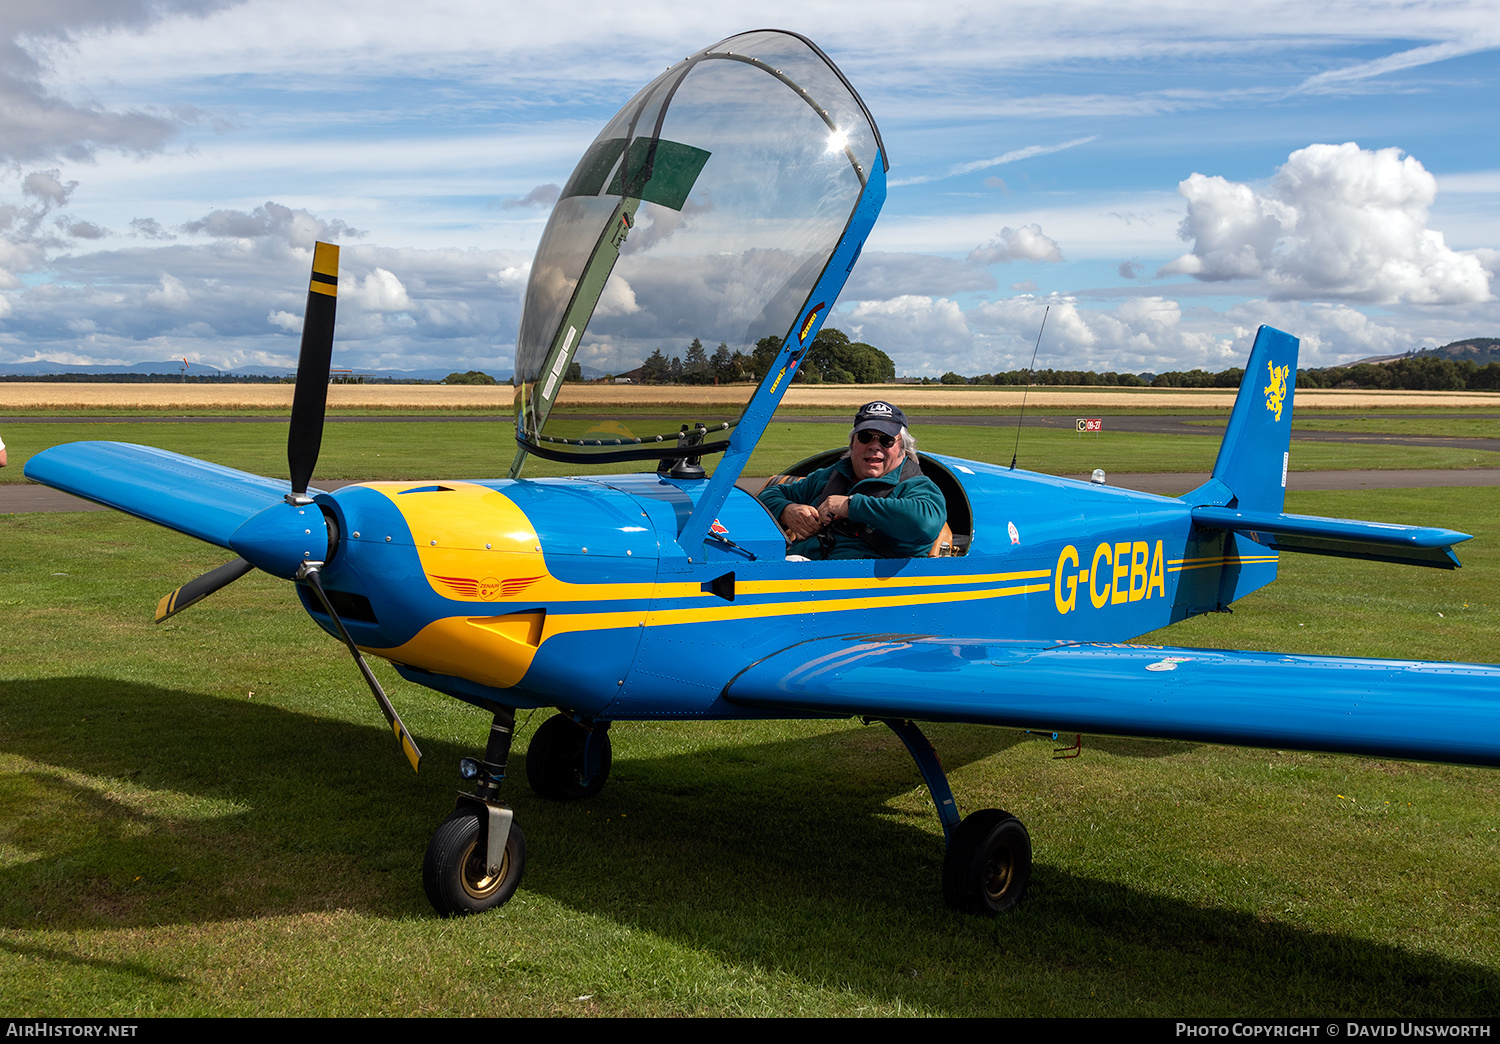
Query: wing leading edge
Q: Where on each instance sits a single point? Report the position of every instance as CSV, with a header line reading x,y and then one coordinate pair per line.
x,y
208,501
1447,712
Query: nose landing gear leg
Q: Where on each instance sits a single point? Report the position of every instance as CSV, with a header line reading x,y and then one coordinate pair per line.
x,y
475,858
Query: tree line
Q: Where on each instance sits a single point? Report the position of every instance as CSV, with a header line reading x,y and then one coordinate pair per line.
x,y
832,359
1412,373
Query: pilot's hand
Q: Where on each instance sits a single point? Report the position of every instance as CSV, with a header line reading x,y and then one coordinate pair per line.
x,y
801,520
833,509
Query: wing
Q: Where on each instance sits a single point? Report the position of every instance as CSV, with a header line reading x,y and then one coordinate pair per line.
x,y
1447,712
208,501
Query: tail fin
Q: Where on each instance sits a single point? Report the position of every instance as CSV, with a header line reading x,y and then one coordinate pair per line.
x,y
1246,497
1257,445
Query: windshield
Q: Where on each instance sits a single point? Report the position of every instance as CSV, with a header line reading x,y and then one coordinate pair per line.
x,y
706,209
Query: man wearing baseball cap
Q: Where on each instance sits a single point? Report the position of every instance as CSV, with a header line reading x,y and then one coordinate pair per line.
x,y
873,503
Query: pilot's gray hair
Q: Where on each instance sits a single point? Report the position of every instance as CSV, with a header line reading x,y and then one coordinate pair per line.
x,y
908,443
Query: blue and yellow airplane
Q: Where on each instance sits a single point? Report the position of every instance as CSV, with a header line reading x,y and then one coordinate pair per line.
x,y
731,196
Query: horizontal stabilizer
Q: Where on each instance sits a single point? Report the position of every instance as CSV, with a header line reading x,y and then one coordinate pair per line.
x,y
1448,712
208,501
1340,537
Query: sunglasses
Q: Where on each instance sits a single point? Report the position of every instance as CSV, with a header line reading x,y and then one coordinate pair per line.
x,y
866,436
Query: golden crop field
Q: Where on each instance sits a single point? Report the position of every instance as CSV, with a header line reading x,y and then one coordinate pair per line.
x,y
418,397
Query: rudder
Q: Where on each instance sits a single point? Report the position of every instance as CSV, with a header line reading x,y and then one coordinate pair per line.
x,y
1254,455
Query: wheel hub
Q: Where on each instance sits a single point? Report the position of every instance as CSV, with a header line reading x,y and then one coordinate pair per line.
x,y
477,881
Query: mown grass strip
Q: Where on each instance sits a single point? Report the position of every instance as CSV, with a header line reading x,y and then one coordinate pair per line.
x,y
380,450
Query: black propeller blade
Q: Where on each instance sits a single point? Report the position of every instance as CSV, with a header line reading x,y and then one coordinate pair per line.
x,y
305,437
310,397
195,591
310,572
304,440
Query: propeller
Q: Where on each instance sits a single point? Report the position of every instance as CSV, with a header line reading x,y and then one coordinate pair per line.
x,y
305,433
271,537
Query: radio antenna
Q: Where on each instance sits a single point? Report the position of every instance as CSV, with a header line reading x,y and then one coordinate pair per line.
x,y
1030,375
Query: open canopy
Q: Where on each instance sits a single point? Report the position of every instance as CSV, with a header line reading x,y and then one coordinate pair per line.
x,y
709,207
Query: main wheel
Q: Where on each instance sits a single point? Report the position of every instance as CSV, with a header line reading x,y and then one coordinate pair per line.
x,y
454,874
554,760
988,863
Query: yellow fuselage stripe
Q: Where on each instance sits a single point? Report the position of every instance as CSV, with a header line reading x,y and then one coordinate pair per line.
x,y
560,623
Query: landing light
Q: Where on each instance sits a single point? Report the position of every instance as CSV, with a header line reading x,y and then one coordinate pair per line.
x,y
468,768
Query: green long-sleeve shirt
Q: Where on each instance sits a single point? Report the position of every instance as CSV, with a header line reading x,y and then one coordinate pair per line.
x,y
909,518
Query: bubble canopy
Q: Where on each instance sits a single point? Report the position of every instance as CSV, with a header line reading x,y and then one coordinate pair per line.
x,y
709,207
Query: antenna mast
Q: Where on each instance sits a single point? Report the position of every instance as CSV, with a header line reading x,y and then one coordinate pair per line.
x,y
1031,373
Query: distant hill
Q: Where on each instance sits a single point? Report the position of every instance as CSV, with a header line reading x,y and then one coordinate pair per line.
x,y
1478,350
171,370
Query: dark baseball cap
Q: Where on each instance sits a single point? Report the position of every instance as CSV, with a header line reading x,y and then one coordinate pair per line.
x,y
880,416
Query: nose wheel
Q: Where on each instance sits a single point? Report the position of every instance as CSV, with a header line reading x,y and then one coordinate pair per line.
x,y
476,856
457,875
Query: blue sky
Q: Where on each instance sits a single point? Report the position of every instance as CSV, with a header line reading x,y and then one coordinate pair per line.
x,y
1165,175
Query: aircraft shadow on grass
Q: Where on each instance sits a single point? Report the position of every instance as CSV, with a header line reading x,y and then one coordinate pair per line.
x,y
681,846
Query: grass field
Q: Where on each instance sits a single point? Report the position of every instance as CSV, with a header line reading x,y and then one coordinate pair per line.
x,y
208,818
20,396
370,450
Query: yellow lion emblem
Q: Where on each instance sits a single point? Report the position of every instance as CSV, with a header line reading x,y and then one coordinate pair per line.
x,y
1276,390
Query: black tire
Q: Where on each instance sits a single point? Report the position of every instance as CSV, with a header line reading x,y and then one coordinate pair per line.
x,y
454,874
988,863
554,760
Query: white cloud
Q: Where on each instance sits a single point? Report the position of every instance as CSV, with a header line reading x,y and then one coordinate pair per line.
x,y
1417,56
1012,156
172,294
617,298
35,121
271,220
1140,334
286,321
1336,221
1113,225
380,291
915,330
879,275
1027,243
1332,333
541,196
47,185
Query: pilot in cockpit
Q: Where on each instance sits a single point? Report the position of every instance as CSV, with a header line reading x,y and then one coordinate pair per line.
x,y
873,503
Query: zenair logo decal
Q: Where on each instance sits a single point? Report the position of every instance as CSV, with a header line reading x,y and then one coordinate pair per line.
x,y
718,527
489,588
1276,390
